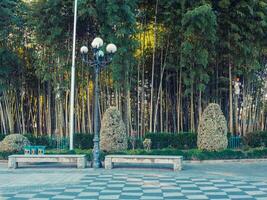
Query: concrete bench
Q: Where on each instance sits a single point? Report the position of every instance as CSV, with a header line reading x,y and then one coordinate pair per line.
x,y
13,160
176,161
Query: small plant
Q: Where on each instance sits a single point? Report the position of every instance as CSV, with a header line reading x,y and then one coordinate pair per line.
x,y
147,144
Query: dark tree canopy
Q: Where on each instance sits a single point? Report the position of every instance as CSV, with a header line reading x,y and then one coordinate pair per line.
x,y
174,58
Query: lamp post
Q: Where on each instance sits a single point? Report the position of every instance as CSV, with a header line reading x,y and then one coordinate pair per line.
x,y
100,61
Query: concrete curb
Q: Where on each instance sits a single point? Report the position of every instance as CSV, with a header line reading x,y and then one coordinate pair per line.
x,y
89,163
225,161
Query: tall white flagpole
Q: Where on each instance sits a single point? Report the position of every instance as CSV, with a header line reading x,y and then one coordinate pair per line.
x,y
71,125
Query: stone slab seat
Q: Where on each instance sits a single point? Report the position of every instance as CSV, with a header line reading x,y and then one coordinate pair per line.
x,y
13,160
144,159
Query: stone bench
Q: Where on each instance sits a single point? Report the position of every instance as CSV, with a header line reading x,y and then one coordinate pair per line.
x,y
13,160
176,161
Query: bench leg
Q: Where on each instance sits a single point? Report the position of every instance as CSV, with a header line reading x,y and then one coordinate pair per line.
x,y
108,163
12,163
81,163
177,165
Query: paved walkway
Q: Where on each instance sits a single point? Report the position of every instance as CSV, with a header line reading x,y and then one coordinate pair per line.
x,y
197,181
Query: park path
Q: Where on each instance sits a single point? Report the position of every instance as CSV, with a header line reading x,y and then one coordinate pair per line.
x,y
197,181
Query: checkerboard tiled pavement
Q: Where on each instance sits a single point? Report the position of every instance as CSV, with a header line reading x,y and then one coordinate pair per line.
x,y
114,185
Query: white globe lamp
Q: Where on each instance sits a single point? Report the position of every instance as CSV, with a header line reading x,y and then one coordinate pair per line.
x,y
111,48
84,50
97,43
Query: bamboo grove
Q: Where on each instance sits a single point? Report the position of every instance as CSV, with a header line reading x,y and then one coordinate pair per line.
x,y
174,57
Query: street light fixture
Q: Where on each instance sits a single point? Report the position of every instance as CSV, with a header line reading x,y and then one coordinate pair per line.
x,y
99,61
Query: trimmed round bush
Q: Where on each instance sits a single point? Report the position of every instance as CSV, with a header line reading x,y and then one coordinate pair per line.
x,y
14,143
212,129
113,132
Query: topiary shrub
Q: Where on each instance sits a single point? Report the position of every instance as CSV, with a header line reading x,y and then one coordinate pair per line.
x,y
212,129
14,143
113,132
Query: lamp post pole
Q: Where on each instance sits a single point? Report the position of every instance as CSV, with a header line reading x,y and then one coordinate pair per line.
x,y
71,125
99,61
97,163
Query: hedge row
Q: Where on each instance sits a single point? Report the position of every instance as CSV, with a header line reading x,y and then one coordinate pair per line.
x,y
81,141
159,141
192,154
256,139
184,140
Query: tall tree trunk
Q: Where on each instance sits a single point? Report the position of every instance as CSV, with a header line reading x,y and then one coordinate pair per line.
x,y
83,111
66,114
236,114
39,119
138,99
48,116
8,104
192,114
161,109
153,69
230,100
199,106
3,118
179,95
162,65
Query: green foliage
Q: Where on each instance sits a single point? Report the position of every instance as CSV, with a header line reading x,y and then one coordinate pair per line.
x,y
195,40
42,140
117,20
10,66
173,140
10,11
2,136
83,140
4,154
212,129
52,21
257,153
192,154
135,143
256,139
199,35
87,152
196,154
